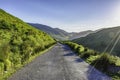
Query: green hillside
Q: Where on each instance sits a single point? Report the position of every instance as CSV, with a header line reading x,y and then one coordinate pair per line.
x,y
103,40
60,34
18,42
57,33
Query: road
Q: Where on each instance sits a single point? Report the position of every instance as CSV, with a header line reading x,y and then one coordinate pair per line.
x,y
59,63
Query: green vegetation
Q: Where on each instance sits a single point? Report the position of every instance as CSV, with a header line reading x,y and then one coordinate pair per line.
x,y
101,39
102,61
19,42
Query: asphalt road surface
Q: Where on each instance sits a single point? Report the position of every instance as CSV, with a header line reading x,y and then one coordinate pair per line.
x,y
59,63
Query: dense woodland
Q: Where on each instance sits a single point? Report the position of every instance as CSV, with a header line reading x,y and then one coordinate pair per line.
x,y
18,42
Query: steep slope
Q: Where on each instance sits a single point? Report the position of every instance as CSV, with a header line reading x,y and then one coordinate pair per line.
x,y
101,39
18,42
62,32
55,32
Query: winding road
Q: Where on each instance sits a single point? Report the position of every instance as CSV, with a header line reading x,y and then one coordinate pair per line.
x,y
59,63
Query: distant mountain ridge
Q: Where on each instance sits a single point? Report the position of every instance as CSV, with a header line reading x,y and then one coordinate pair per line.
x,y
54,32
59,33
80,34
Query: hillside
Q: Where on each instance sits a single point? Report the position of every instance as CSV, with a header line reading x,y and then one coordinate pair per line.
x,y
59,33
18,42
80,34
102,39
54,32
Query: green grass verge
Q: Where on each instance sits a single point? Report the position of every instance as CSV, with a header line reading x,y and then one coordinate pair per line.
x,y
6,75
101,61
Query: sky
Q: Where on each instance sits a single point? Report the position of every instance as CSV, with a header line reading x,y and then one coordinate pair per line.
x,y
69,15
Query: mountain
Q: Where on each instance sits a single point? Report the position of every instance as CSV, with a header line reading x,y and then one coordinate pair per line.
x,y
19,42
62,32
80,34
59,33
107,40
54,32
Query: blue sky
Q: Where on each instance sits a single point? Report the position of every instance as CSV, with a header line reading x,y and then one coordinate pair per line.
x,y
70,15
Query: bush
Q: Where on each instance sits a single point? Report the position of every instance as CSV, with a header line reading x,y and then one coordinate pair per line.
x,y
88,53
91,59
80,49
4,51
103,62
15,49
75,47
100,61
1,68
7,65
117,61
15,59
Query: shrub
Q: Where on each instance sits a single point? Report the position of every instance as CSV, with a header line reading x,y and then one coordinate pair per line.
x,y
100,61
15,59
103,62
117,61
80,49
88,53
1,68
75,47
91,59
7,65
15,49
4,51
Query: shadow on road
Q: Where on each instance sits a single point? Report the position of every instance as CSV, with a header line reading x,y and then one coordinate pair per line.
x,y
91,73
94,74
69,54
66,48
78,60
73,54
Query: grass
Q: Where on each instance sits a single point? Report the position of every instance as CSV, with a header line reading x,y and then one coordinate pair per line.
x,y
101,61
19,42
8,74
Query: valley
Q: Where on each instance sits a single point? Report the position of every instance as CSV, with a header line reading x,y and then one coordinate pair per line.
x,y
33,51
60,34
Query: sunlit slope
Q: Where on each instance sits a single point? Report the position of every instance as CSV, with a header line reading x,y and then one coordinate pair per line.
x,y
19,41
103,40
